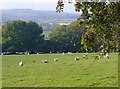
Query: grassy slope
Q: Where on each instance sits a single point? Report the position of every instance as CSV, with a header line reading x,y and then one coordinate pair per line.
x,y
65,72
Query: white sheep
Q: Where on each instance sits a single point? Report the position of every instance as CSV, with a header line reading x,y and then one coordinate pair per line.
x,y
45,61
21,63
84,56
63,53
76,58
1,53
56,59
97,57
37,53
101,53
69,52
107,56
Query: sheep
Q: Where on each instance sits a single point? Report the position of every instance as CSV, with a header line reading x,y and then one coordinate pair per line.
x,y
107,56
101,53
56,59
76,58
69,52
97,57
63,53
37,53
1,53
84,56
45,61
21,63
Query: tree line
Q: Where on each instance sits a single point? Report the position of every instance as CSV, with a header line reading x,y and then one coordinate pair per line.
x,y
21,36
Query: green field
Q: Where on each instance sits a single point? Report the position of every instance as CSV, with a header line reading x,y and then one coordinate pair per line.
x,y
65,73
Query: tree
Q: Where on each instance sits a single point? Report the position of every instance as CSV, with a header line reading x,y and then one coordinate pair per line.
x,y
21,36
67,37
104,18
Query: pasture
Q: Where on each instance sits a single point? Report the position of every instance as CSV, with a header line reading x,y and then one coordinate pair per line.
x,y
64,73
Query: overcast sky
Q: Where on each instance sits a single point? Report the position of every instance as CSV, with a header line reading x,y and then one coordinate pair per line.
x,y
35,5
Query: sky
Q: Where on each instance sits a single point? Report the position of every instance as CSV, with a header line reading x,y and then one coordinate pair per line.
x,y
35,5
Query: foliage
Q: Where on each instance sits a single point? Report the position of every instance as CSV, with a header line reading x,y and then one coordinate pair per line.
x,y
67,37
21,36
104,17
88,39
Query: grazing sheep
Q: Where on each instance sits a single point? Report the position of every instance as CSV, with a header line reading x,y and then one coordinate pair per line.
x,y
69,52
97,57
1,53
37,53
84,56
63,53
76,58
45,61
21,63
28,53
107,56
56,59
101,53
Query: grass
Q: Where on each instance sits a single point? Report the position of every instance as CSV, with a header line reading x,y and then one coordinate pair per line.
x,y
65,73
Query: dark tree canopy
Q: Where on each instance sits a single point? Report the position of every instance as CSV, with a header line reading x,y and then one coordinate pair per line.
x,y
67,37
21,36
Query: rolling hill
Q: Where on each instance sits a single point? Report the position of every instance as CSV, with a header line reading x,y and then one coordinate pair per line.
x,y
47,19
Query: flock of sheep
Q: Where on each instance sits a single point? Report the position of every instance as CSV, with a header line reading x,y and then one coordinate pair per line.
x,y
46,61
21,63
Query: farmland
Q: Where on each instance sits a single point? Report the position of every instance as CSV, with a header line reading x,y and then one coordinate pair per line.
x,y
64,73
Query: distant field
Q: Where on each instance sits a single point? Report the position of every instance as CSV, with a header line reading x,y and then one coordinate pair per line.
x,y
65,73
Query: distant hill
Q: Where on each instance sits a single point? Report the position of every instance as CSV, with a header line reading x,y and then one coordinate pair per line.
x,y
36,15
47,19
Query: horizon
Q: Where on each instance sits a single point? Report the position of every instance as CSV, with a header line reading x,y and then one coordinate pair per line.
x,y
39,10
36,5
